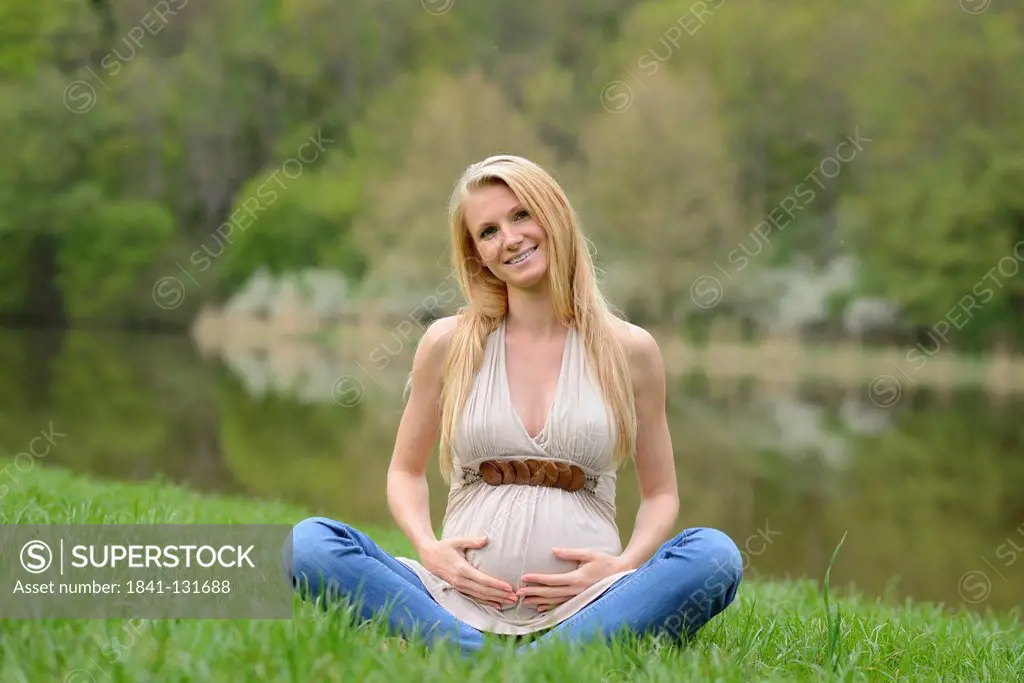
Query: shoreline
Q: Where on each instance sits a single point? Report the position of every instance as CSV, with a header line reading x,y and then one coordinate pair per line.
x,y
773,361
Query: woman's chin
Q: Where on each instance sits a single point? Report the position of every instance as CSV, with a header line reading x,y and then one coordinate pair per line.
x,y
530,278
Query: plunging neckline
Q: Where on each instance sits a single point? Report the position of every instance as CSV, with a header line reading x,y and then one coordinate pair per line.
x,y
558,385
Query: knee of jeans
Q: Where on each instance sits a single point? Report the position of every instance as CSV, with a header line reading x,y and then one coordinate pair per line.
x,y
303,551
723,555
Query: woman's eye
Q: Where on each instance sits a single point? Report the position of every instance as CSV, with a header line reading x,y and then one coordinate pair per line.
x,y
522,215
487,231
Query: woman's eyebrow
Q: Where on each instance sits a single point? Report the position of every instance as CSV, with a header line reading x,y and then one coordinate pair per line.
x,y
486,224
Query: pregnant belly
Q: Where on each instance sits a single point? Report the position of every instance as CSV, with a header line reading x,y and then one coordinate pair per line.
x,y
524,524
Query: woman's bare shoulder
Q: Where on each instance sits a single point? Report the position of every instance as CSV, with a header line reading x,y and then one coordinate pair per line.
x,y
433,345
429,359
642,351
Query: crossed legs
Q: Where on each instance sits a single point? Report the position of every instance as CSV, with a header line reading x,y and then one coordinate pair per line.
x,y
330,559
689,579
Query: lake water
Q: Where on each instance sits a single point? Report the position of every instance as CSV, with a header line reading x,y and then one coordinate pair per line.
x,y
930,491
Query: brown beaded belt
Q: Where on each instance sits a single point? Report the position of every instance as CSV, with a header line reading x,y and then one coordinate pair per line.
x,y
535,472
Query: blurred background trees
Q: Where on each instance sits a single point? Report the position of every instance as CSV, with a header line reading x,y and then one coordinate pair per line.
x,y
131,131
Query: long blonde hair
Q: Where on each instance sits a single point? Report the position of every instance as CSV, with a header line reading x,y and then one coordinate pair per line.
x,y
574,290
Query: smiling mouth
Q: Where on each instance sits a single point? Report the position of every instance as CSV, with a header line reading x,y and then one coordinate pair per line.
x,y
519,258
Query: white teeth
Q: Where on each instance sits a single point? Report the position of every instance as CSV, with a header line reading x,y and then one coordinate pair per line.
x,y
522,257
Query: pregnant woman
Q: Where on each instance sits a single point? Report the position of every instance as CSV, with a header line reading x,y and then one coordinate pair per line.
x,y
536,394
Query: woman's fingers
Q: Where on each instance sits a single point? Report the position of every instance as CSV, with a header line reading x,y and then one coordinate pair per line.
x,y
468,542
548,600
536,602
566,579
484,593
465,584
483,596
473,582
548,605
577,554
488,581
535,594
470,583
544,604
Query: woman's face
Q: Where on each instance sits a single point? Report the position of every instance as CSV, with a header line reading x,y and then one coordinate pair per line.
x,y
508,239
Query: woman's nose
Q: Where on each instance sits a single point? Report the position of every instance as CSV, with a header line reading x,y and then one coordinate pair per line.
x,y
511,237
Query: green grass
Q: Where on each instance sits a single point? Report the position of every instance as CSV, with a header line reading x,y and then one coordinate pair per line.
x,y
774,631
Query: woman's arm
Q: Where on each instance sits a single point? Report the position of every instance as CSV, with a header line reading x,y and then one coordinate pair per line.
x,y
655,463
407,493
655,467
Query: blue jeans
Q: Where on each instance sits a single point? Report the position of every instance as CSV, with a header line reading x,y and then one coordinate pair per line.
x,y
687,581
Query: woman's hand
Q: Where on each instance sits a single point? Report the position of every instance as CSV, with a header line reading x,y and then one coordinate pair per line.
x,y
447,559
558,588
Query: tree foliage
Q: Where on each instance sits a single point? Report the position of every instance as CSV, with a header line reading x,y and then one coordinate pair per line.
x,y
133,131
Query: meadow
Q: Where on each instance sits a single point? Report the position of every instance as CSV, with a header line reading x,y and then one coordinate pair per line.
x,y
774,630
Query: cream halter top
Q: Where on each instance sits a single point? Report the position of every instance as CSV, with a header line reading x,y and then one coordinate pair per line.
x,y
523,523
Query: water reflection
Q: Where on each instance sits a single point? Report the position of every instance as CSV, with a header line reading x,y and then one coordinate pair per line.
x,y
928,490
